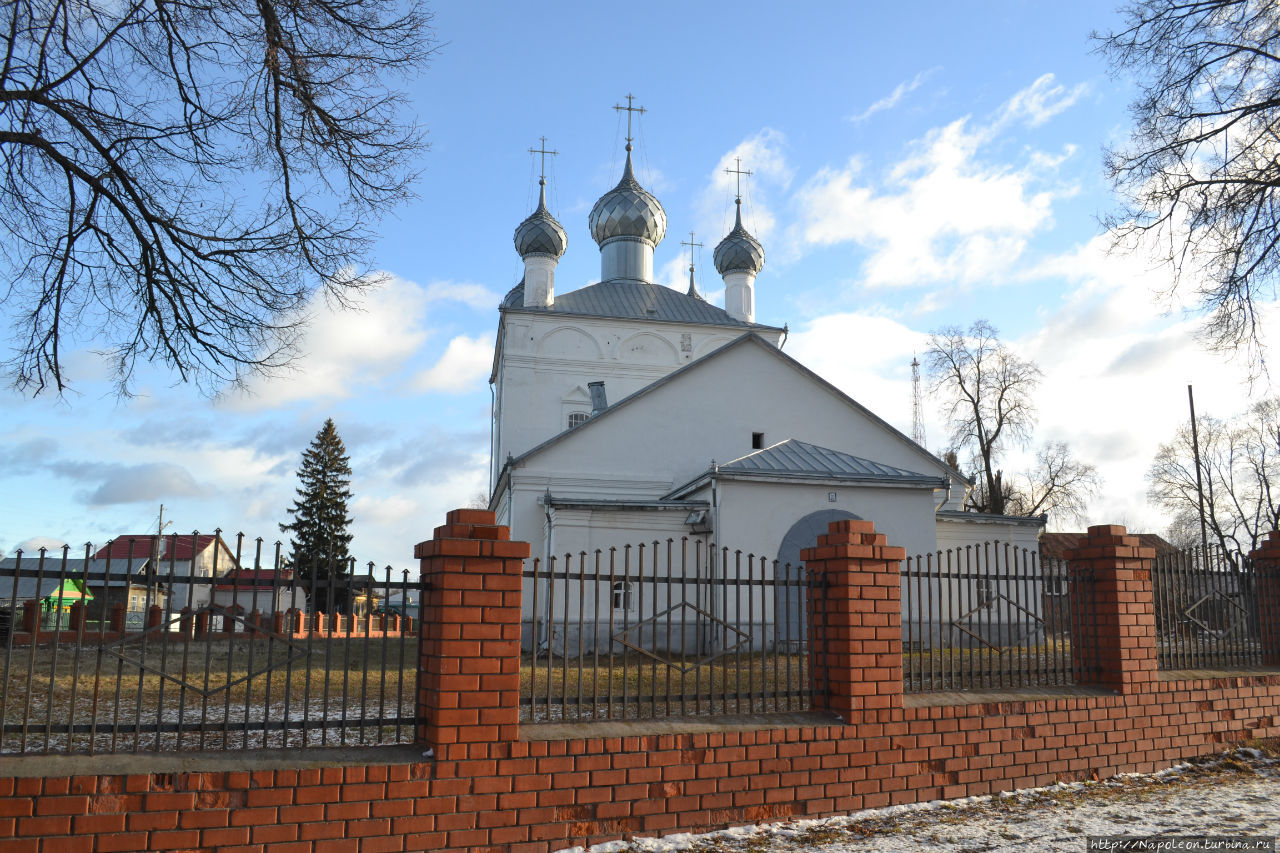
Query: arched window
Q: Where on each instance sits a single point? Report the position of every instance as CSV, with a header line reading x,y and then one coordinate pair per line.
x,y
621,595
577,419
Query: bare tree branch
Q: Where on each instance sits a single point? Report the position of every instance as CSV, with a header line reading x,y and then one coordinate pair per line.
x,y
1239,459
1201,170
178,177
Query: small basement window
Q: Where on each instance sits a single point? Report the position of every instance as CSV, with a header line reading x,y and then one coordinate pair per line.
x,y
757,441
577,419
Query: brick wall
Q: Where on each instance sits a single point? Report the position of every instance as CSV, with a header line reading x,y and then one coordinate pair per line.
x,y
486,789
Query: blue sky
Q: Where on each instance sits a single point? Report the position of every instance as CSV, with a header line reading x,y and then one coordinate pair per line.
x,y
915,166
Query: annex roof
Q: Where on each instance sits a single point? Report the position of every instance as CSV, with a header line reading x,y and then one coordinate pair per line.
x,y
793,457
793,460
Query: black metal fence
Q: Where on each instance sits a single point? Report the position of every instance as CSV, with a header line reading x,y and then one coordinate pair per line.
x,y
664,629
188,644
1206,607
994,616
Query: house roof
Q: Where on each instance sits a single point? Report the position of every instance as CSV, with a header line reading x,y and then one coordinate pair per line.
x,y
793,460
632,300
971,517
246,578
142,544
33,584
799,457
747,339
1053,546
115,572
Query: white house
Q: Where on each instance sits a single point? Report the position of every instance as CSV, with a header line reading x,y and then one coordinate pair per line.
x,y
627,411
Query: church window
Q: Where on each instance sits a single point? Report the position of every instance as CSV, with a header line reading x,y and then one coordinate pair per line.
x,y
577,419
757,441
622,595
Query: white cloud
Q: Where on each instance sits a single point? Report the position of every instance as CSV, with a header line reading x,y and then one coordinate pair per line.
x,y
944,212
761,154
30,548
153,481
466,361
880,378
893,98
344,351
1041,101
475,296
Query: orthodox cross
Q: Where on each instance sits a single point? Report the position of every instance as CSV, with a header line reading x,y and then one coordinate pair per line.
x,y
630,109
544,152
691,246
738,171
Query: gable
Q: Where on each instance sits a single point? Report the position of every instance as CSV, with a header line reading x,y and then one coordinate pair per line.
x,y
713,408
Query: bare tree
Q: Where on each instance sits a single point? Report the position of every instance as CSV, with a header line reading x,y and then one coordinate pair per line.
x,y
1059,485
987,389
988,392
1202,168
1238,460
180,176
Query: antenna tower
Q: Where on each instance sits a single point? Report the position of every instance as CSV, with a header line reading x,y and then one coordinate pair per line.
x,y
917,417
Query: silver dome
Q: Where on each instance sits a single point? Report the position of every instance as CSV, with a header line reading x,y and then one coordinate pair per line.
x,y
739,251
541,234
628,210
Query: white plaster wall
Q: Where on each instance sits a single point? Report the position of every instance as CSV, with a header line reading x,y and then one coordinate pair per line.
x,y
710,413
956,534
544,358
756,516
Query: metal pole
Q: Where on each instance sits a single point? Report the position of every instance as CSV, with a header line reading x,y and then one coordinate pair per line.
x,y
1195,446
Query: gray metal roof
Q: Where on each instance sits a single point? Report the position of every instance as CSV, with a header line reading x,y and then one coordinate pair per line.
x,y
634,300
31,585
792,457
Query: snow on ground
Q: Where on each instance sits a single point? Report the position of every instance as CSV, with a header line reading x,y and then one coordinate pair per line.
x,y
1232,794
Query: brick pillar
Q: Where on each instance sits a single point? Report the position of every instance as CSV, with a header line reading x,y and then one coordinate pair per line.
x,y
855,636
77,617
1114,629
31,617
469,690
116,622
1266,561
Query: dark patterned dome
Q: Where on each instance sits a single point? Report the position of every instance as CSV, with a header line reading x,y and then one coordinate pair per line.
x,y
541,234
628,210
739,251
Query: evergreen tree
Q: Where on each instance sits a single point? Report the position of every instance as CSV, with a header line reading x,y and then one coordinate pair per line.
x,y
320,526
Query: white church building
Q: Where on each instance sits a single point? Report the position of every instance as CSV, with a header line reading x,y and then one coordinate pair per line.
x,y
627,411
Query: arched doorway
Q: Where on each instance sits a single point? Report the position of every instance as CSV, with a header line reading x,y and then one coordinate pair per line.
x,y
789,601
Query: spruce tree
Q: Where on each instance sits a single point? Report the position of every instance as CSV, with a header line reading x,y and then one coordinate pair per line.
x,y
320,526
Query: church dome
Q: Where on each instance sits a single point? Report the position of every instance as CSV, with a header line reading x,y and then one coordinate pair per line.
x,y
541,234
514,297
739,251
628,210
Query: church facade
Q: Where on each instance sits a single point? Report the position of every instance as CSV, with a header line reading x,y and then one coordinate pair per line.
x,y
627,412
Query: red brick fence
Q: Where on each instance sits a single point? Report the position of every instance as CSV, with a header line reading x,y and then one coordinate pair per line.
x,y
489,785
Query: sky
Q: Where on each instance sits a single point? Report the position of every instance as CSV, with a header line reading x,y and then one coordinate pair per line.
x,y
913,167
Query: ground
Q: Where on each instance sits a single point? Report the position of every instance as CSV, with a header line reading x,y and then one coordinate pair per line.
x,y
1229,795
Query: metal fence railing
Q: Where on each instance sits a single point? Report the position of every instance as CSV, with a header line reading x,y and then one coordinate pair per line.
x,y
994,616
664,629
1206,608
165,646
